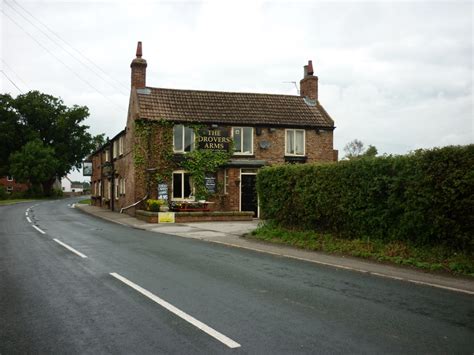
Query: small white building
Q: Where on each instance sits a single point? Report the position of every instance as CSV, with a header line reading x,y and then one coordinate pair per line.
x,y
70,187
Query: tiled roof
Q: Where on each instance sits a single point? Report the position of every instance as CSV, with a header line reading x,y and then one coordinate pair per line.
x,y
230,108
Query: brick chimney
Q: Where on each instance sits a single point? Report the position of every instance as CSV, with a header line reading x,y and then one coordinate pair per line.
x,y
138,69
309,83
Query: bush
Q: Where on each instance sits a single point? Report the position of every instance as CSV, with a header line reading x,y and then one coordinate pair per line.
x,y
154,205
426,197
3,193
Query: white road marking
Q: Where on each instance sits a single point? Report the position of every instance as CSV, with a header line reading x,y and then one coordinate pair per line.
x,y
198,324
39,230
69,248
26,213
28,219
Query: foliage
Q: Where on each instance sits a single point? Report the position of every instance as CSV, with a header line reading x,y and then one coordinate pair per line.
x,y
398,252
34,163
425,198
356,149
37,116
3,193
154,205
85,202
201,162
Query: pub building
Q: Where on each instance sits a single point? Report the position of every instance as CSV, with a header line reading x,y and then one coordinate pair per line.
x,y
260,129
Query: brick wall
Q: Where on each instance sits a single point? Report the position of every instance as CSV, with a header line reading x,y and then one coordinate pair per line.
x,y
14,185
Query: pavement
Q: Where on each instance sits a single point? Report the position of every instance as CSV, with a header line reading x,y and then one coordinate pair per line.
x,y
232,235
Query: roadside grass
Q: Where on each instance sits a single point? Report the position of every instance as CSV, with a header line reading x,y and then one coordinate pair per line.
x,y
428,258
85,202
14,201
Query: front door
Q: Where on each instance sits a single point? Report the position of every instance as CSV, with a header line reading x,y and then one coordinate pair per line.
x,y
248,193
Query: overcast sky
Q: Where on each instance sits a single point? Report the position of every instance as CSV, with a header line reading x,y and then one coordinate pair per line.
x,y
397,75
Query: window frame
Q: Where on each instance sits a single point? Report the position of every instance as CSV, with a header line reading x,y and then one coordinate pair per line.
x,y
182,172
251,140
193,138
294,142
121,143
10,178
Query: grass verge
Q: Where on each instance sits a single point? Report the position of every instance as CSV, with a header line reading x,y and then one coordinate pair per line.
x,y
14,201
429,258
85,202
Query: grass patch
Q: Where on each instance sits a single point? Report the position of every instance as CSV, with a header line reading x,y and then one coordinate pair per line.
x,y
429,258
85,202
14,201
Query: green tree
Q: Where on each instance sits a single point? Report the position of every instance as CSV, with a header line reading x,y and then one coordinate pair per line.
x,y
37,116
34,163
356,150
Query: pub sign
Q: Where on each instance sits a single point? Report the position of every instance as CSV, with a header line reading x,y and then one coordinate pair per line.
x,y
215,139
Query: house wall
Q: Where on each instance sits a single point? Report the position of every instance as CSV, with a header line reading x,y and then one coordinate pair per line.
x,y
16,186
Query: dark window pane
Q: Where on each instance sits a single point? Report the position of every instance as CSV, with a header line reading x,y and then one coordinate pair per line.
x,y
188,139
177,185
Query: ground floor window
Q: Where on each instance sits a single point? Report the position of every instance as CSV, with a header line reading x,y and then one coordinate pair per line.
x,y
182,185
9,188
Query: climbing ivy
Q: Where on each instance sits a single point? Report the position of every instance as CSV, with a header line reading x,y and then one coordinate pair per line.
x,y
201,162
154,149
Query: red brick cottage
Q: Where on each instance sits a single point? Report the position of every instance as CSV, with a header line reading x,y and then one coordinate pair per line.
x,y
145,159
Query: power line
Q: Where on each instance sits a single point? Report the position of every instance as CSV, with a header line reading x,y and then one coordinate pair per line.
x,y
53,40
16,74
59,60
11,81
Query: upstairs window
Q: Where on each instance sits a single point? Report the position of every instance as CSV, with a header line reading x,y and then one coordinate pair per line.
x,y
295,142
121,142
107,158
9,178
183,139
243,140
115,149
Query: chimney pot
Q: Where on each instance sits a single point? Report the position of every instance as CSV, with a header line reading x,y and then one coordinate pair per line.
x,y
139,49
310,67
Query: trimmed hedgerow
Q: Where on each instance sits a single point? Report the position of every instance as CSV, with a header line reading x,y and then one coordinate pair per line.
x,y
426,197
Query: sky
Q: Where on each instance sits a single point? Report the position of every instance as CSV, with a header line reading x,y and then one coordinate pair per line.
x,y
394,74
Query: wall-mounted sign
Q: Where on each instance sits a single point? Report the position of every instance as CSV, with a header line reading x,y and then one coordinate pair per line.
x,y
87,168
210,183
162,191
214,138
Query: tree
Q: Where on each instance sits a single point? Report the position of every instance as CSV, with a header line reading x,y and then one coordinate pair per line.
x,y
34,163
356,150
37,116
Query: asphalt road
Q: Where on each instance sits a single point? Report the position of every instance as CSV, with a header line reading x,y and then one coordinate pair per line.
x,y
175,295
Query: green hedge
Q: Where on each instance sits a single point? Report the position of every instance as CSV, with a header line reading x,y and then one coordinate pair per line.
x,y
426,197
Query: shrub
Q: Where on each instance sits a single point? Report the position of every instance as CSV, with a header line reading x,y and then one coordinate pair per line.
x,y
154,205
426,197
3,193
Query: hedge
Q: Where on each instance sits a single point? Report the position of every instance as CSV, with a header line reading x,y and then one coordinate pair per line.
x,y
426,197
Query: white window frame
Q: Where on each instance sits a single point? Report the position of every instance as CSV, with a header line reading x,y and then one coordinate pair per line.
x,y
100,188
107,155
122,186
9,189
10,178
226,181
294,140
116,187
115,149
251,143
121,142
182,151
182,172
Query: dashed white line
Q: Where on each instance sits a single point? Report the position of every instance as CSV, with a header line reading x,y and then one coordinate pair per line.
x,y
28,219
39,230
70,248
198,324
26,213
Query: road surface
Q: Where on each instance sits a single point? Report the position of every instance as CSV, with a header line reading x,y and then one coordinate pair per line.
x,y
72,283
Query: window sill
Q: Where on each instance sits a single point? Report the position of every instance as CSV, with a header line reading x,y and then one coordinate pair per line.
x,y
296,158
